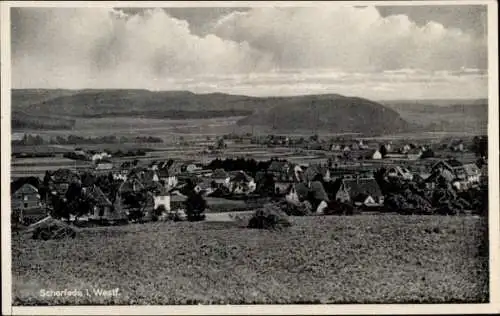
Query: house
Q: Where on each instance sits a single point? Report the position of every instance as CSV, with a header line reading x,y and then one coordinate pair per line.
x,y
316,171
414,154
452,165
297,193
154,165
241,183
462,175
335,147
162,198
375,155
99,156
315,194
26,197
362,145
176,168
282,170
163,174
405,149
473,174
131,185
360,192
60,180
102,207
119,176
220,177
191,167
206,186
104,165
398,172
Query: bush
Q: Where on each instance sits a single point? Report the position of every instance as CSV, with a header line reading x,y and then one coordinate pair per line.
x,y
339,208
195,207
269,217
303,209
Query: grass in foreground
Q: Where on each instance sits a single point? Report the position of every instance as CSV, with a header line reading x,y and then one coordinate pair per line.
x,y
358,259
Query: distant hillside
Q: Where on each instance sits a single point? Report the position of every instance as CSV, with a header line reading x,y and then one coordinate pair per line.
x,y
21,120
444,115
23,98
332,113
163,104
59,109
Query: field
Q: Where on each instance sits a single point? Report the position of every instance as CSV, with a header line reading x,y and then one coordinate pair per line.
x,y
357,259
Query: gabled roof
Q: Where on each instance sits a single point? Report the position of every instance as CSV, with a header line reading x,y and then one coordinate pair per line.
x,y
362,186
318,191
18,183
63,175
414,151
302,190
205,184
219,174
127,186
277,166
27,189
314,170
240,176
471,169
176,167
98,196
454,163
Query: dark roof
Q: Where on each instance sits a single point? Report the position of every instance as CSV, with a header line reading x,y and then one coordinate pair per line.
x,y
362,186
454,163
63,175
414,151
18,183
314,170
318,191
101,161
277,166
471,169
240,176
302,190
99,197
26,188
127,186
220,174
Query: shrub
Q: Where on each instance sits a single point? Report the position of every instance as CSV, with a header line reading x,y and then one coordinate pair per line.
x,y
339,208
269,217
303,209
195,207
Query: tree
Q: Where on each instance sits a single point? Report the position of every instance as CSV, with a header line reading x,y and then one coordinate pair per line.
x,y
480,146
136,202
383,150
429,153
195,206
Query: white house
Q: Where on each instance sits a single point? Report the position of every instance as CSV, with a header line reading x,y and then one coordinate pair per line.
x,y
104,165
119,176
376,155
400,172
162,200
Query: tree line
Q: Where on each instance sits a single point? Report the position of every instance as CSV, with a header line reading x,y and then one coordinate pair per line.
x,y
29,139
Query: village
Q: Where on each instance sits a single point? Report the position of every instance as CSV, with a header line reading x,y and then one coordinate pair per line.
x,y
356,175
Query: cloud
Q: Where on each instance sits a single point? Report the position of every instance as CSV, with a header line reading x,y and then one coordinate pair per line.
x,y
262,51
85,47
352,39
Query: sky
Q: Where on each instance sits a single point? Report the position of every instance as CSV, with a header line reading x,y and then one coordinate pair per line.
x,y
376,52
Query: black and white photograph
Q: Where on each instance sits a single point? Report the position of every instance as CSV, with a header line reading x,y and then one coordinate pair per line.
x,y
206,155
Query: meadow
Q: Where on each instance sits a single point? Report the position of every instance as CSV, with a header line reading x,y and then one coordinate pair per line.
x,y
350,259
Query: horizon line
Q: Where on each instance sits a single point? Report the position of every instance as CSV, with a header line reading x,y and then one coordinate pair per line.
x,y
252,96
